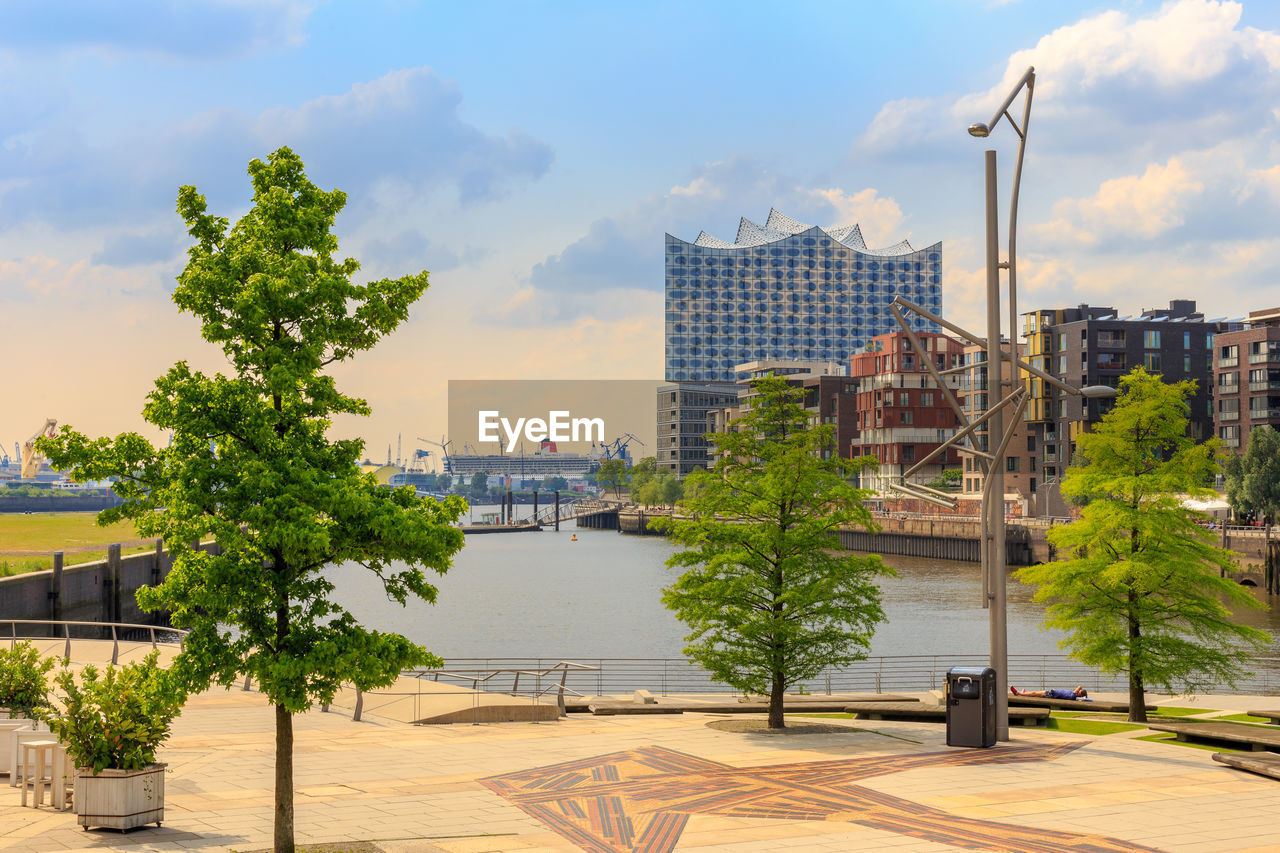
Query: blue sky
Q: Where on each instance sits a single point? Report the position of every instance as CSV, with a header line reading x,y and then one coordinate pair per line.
x,y
532,155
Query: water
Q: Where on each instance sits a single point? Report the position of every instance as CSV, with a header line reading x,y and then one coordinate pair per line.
x,y
543,595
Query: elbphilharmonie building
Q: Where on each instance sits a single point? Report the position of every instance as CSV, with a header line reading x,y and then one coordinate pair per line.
x,y
786,290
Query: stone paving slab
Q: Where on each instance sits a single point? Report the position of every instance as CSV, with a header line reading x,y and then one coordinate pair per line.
x,y
431,788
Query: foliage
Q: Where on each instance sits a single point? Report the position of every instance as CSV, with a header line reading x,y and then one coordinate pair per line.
x,y
444,482
768,600
551,483
116,720
1140,590
661,489
1253,479
250,464
948,480
24,688
612,474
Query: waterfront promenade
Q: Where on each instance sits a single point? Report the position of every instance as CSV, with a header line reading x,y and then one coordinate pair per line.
x,y
675,782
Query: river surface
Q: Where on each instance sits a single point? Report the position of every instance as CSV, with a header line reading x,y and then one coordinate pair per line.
x,y
542,595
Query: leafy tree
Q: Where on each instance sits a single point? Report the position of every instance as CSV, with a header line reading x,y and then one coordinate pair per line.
x,y
551,484
768,599
24,686
480,485
642,472
948,480
250,465
661,489
1253,486
444,482
612,474
1140,589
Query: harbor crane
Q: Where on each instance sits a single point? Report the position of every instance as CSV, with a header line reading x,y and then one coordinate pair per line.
x,y
443,444
31,458
617,449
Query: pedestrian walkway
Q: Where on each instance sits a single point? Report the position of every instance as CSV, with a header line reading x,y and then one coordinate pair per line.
x,y
658,783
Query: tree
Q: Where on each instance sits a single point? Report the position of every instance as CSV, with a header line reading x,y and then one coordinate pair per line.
x,y
642,472
660,489
1253,486
480,486
552,484
768,598
612,474
444,482
1140,590
251,467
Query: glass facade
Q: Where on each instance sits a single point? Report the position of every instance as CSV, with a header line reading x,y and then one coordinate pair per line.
x,y
786,290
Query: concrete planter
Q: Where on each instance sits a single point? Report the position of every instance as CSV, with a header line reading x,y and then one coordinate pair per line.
x,y
120,799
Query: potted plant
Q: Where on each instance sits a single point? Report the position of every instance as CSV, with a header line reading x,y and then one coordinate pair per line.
x,y
24,688
111,725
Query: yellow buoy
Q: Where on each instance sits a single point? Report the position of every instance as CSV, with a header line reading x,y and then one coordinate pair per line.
x,y
573,538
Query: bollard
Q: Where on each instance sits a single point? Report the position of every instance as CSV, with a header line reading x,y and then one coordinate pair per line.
x,y
55,588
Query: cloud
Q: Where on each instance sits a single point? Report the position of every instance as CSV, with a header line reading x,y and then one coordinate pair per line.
x,y
410,249
184,31
1188,67
622,253
136,248
403,129
1139,206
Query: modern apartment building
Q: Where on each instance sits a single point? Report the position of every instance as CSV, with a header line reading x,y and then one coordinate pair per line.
x,y
1089,345
683,410
1022,464
901,415
1246,378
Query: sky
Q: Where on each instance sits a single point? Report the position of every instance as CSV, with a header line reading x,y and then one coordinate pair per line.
x,y
532,155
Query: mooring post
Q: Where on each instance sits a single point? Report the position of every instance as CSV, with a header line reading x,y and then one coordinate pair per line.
x,y
156,570
113,588
511,507
557,510
535,505
55,589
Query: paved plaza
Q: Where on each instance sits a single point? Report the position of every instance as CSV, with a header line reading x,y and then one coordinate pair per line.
x,y
656,783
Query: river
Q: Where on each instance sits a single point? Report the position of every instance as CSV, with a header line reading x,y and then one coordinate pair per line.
x,y
530,595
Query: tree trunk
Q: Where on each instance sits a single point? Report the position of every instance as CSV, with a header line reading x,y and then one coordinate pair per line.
x,y
777,692
284,781
1137,692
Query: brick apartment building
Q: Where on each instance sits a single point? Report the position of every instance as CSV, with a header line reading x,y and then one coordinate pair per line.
x,y
1246,378
900,414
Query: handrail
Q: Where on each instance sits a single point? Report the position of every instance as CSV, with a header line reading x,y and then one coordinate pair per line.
x,y
67,624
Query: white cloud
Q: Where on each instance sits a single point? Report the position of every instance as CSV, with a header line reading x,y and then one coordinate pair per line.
x,y
1141,206
879,217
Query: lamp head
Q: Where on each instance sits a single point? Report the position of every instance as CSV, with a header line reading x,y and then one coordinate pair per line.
x,y
979,130
1096,391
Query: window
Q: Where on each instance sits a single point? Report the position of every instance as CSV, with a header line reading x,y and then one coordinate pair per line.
x,y
904,399
908,417
1186,340
1151,361
908,361
1031,465
908,453
1062,364
1151,339
1011,463
926,399
1062,341
1186,364
1031,443
1229,380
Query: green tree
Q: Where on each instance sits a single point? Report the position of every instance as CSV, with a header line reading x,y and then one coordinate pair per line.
x,y
1253,486
551,484
444,482
642,472
251,467
660,489
768,598
612,474
1140,590
480,486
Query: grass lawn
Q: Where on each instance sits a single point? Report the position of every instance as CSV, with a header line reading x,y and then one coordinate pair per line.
x,y
1085,726
1245,718
77,534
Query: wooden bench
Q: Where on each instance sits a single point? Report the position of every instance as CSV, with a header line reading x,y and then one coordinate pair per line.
x,y
672,705
1256,738
1100,707
620,709
1272,716
916,712
1263,765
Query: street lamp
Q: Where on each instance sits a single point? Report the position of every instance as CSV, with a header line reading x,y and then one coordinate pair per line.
x,y
998,400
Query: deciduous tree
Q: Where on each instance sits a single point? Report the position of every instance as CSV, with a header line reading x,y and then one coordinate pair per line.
x,y
769,598
612,474
1140,589
1253,486
251,466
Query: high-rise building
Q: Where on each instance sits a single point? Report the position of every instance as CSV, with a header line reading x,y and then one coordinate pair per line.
x,y
1247,378
683,409
1021,460
1088,345
786,290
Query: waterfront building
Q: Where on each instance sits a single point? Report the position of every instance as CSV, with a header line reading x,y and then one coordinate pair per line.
x,y
786,290
1021,463
683,409
1090,345
900,415
1246,378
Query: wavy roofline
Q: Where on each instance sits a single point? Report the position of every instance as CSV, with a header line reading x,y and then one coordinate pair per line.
x,y
779,227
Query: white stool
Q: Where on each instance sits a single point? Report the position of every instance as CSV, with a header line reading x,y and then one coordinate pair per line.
x,y
16,740
38,760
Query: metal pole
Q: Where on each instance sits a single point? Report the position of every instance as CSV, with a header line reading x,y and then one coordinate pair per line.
x,y
993,512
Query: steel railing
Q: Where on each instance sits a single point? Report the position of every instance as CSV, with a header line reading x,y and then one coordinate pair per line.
x,y
114,631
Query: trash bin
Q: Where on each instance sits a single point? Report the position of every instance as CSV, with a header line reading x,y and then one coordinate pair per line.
x,y
971,706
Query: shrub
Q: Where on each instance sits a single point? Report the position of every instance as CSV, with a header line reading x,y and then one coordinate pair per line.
x,y
23,685
117,719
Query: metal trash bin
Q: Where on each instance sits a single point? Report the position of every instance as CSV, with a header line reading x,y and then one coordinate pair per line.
x,y
971,706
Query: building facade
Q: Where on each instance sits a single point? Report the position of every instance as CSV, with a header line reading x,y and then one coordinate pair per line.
x,y
786,290
1089,345
1246,378
900,413
1022,467
683,412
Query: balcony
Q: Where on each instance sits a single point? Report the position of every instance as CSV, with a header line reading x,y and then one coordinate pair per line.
x,y
1229,362
1110,341
1268,385
1264,358
1264,414
1228,416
